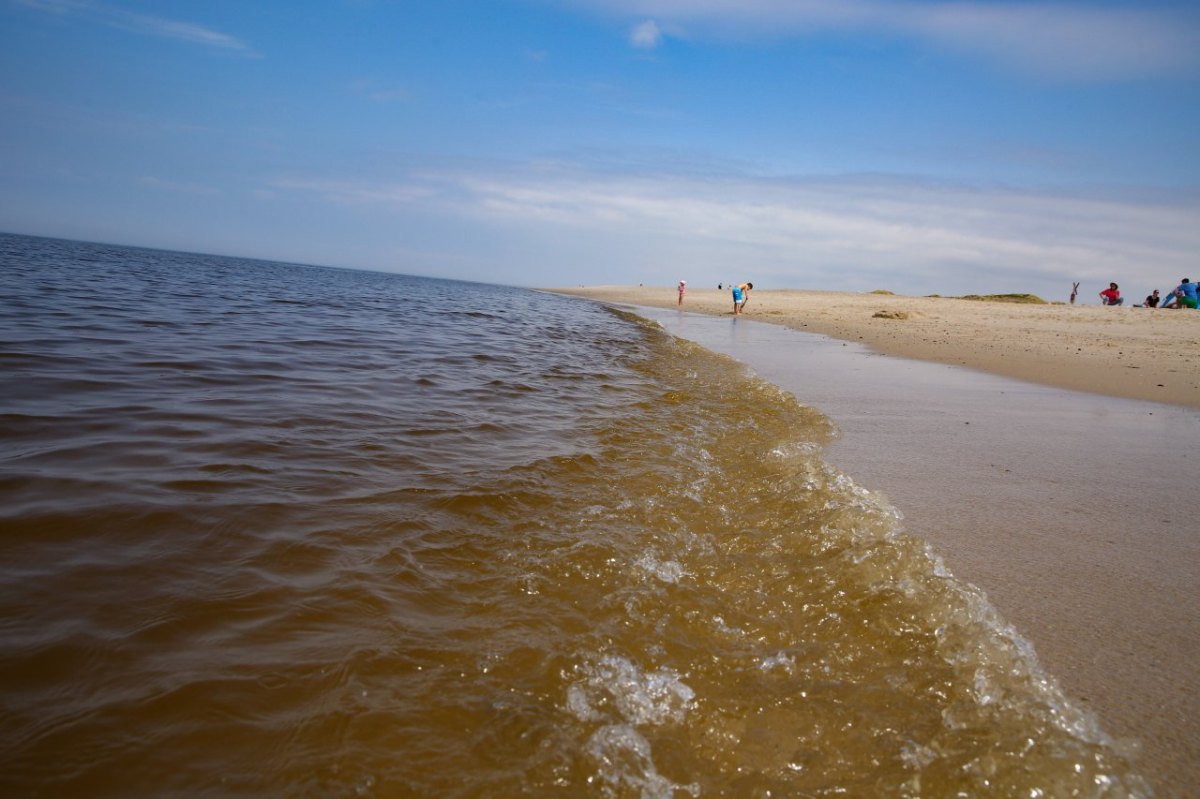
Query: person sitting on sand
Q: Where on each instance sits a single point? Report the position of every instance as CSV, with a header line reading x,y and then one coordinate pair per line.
x,y
1152,299
1185,296
741,295
1111,296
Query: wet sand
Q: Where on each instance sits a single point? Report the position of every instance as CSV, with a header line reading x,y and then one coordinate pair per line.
x,y
1063,506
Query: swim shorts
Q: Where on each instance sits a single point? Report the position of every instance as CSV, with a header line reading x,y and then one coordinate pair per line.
x,y
737,295
1190,302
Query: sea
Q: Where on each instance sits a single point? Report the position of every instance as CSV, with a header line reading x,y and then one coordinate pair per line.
x,y
270,529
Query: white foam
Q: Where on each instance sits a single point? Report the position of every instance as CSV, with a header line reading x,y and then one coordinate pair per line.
x,y
637,696
615,690
780,660
624,764
668,572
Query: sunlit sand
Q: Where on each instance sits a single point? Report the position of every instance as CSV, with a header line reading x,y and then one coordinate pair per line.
x,y
1138,353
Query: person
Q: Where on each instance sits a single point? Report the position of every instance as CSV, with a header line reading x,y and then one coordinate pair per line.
x,y
741,295
1074,292
1152,299
1185,296
1111,296
682,289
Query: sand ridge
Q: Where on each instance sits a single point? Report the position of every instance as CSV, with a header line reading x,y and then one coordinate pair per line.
x,y
1137,353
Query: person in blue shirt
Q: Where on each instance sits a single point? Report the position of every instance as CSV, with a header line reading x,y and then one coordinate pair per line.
x,y
1184,296
1188,293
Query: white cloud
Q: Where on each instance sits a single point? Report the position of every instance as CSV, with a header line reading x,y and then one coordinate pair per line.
x,y
379,94
646,35
826,233
143,23
1066,40
53,6
1063,40
175,29
196,189
347,192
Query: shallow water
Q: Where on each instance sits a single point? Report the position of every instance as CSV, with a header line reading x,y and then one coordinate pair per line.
x,y
266,531
1063,505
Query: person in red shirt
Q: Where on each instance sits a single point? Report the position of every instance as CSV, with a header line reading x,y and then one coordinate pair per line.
x,y
1110,296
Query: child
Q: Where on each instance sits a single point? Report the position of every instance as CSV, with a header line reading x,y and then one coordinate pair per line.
x,y
741,295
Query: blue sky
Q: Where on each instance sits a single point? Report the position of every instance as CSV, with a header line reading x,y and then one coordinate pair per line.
x,y
922,147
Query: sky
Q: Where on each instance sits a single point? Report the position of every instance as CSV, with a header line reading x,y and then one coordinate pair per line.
x,y
921,147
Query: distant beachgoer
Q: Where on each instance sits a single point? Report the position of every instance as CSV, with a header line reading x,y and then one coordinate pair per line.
x,y
682,289
1185,295
719,287
741,295
1152,299
1074,292
1111,296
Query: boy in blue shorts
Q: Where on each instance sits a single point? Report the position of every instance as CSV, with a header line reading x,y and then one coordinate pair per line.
x,y
741,295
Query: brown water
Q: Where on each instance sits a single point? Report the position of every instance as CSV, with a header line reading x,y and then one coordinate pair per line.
x,y
1064,506
265,531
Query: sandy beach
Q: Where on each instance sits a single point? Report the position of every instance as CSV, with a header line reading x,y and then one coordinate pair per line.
x,y
1061,505
1138,353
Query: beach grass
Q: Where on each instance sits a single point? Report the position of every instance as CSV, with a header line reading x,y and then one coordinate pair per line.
x,y
1029,299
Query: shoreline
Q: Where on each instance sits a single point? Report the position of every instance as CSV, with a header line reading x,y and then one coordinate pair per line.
x,y
1061,506
1136,353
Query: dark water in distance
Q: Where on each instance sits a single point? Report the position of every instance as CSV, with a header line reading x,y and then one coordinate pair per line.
x,y
270,529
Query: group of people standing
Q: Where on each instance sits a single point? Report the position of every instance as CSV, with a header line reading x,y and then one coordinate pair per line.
x,y
1185,295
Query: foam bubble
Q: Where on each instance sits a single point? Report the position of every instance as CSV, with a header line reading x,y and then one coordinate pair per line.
x,y
638,697
625,766
668,572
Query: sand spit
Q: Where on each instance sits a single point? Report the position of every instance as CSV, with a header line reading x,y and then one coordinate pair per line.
x,y
1137,353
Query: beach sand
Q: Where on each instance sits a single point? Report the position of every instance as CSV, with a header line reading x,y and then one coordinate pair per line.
x,y
1139,353
1064,507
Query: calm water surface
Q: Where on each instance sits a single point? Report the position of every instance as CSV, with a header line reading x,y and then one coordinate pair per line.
x,y
270,529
